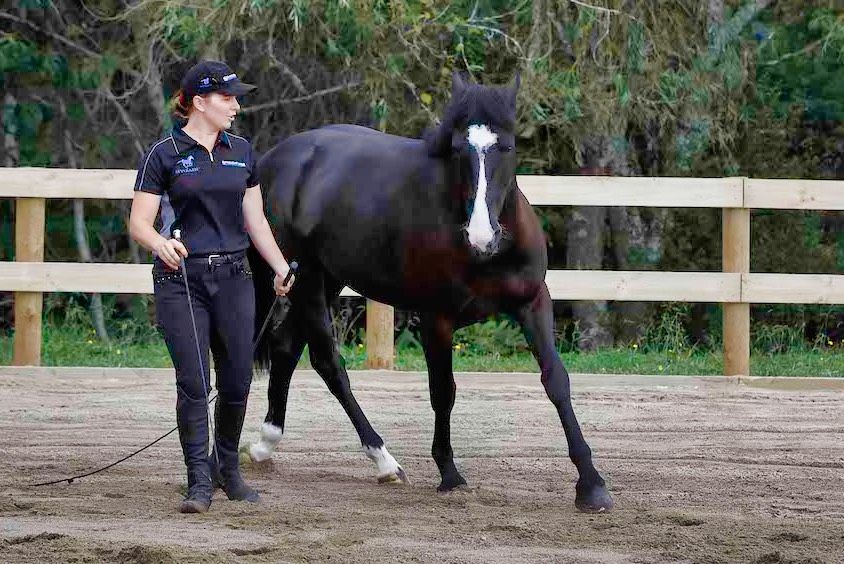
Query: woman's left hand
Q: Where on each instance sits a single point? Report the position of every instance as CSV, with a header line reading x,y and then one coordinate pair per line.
x,y
278,284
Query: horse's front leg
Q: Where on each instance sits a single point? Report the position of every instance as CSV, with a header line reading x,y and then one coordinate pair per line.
x,y
437,333
537,321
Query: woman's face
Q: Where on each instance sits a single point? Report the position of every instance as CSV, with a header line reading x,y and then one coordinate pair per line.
x,y
219,109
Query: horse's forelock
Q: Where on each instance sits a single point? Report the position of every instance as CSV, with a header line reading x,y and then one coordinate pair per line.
x,y
489,106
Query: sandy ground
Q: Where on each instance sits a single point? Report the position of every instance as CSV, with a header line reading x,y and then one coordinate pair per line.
x,y
702,470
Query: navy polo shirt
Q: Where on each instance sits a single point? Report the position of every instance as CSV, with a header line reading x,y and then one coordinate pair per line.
x,y
201,192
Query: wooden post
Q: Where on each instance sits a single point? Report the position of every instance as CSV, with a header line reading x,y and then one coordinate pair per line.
x,y
736,245
29,247
380,318
379,335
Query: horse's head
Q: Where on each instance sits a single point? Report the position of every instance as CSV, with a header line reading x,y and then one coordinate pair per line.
x,y
484,141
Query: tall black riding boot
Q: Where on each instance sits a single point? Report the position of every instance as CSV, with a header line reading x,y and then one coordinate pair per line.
x,y
227,427
192,419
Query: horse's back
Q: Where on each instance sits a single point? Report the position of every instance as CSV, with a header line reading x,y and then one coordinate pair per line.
x,y
348,139
337,171
339,150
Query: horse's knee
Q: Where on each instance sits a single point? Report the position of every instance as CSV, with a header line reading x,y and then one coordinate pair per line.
x,y
442,399
557,387
339,385
443,406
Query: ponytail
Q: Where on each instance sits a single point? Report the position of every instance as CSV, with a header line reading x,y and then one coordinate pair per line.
x,y
180,107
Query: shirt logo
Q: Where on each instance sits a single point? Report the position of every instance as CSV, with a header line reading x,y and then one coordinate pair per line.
x,y
233,163
187,165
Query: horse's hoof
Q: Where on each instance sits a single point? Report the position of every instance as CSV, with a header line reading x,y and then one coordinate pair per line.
x,y
595,500
243,457
253,454
462,489
451,483
397,477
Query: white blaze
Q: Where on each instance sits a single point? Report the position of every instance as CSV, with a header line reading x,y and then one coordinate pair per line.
x,y
480,229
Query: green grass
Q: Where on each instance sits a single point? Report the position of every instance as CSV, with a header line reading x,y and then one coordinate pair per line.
x,y
68,346
621,361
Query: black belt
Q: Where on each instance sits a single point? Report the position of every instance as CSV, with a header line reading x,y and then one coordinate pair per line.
x,y
216,258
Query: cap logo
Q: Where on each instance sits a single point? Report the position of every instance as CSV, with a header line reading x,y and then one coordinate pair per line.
x,y
205,81
229,77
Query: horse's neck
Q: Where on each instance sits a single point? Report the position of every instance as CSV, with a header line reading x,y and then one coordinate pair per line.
x,y
511,202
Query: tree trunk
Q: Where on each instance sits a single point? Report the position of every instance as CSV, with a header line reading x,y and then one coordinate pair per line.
x,y
80,232
11,158
150,69
636,239
637,245
11,150
155,95
585,249
97,316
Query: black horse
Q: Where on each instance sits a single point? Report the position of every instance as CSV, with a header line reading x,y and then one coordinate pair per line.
x,y
437,226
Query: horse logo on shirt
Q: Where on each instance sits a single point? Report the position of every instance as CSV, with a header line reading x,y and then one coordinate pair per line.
x,y
187,165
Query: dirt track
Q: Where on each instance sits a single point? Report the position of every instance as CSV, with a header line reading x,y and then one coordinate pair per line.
x,y
701,470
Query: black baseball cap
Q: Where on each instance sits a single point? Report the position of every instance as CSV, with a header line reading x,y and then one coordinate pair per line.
x,y
213,76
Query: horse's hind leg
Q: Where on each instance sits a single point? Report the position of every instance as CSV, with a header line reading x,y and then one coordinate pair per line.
x,y
286,348
538,325
437,333
329,364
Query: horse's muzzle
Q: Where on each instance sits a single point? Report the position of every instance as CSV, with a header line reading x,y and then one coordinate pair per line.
x,y
499,240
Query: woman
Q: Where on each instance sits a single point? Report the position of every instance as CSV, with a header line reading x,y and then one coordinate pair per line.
x,y
204,181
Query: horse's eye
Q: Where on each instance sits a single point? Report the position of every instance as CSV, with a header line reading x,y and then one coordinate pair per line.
x,y
505,148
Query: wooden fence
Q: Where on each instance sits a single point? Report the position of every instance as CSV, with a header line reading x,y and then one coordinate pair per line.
x,y
736,287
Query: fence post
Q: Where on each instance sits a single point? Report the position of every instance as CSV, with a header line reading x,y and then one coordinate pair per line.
x,y
29,247
736,258
379,335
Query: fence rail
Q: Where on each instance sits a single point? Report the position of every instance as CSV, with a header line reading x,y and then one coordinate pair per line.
x,y
736,287
618,285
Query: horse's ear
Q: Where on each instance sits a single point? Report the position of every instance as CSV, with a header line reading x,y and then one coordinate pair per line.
x,y
513,88
458,84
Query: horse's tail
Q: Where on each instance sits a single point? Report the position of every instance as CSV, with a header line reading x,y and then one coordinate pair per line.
x,y
262,278
281,174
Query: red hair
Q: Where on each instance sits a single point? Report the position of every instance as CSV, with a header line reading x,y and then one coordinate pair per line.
x,y
180,106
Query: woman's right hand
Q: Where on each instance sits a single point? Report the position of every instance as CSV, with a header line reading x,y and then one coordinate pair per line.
x,y
171,251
